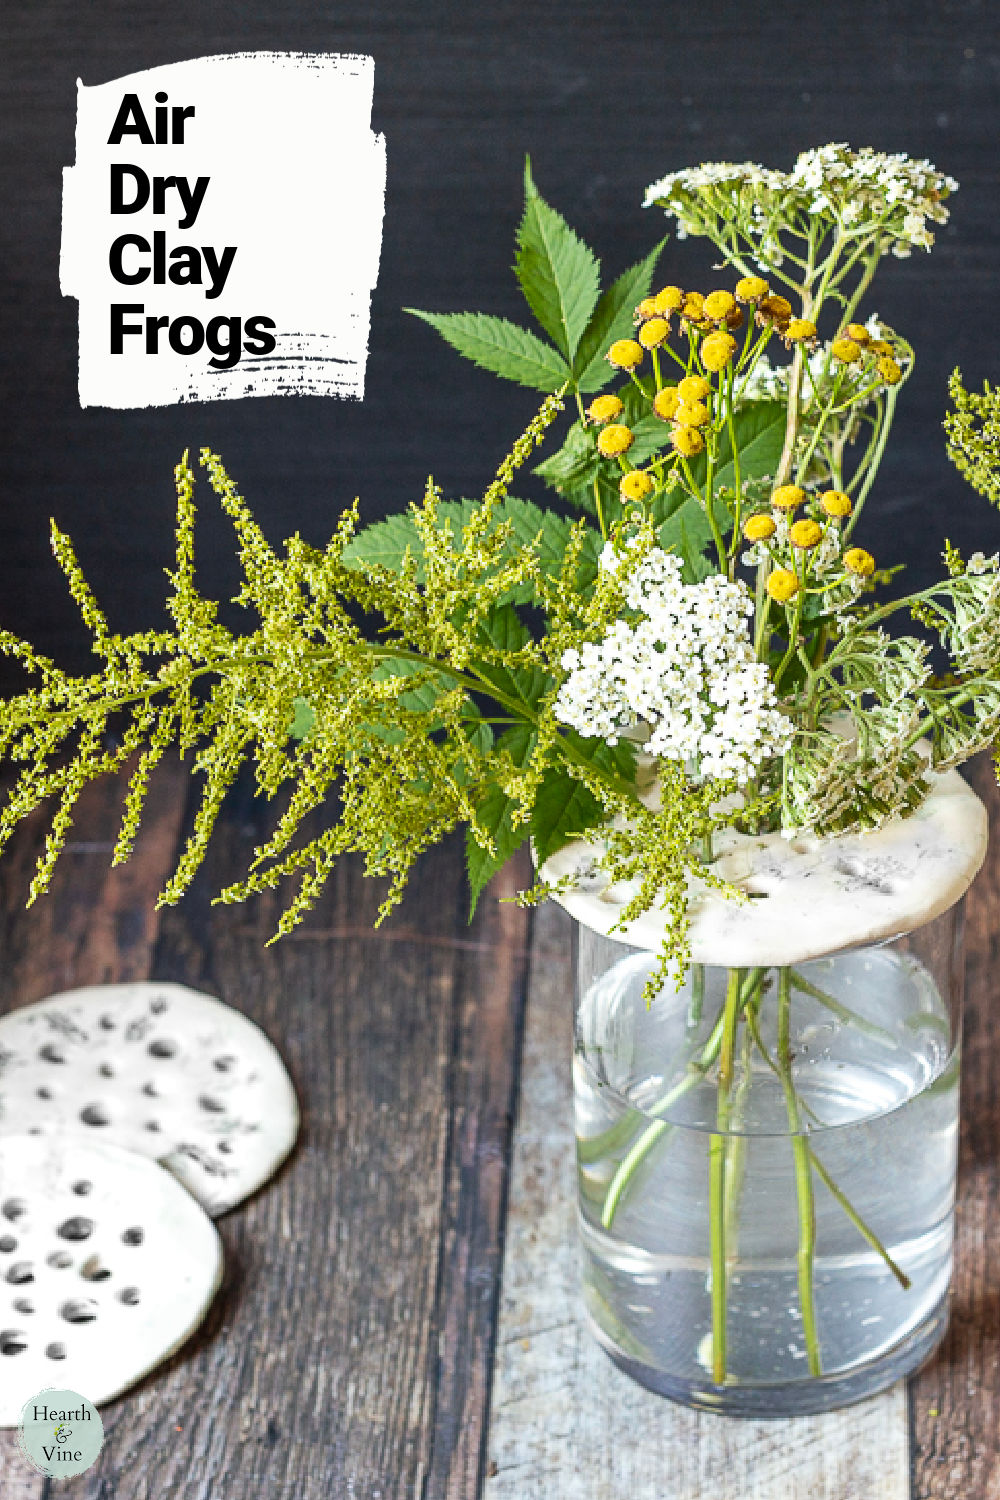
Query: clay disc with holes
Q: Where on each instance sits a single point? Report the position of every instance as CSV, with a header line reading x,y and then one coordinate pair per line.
x,y
808,896
107,1265
158,1069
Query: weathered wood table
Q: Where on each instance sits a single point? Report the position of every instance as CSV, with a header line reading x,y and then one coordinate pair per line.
x,y
399,1316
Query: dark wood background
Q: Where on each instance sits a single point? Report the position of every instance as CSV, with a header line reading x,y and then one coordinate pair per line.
x,y
605,98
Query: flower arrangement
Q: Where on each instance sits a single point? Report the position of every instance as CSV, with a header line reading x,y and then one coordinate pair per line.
x,y
710,618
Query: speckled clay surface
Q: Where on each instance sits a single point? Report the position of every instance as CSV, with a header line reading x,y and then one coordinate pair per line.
x,y
107,1264
809,896
158,1069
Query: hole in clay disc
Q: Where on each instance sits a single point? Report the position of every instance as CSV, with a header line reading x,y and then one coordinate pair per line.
x,y
106,1070
133,1236
12,1341
158,1006
44,1093
8,1243
225,1147
162,1047
80,1310
153,1125
59,1260
151,1091
56,1351
95,1114
129,1295
82,1188
213,1105
225,1064
92,1269
107,1023
24,1305
51,1053
15,1208
21,1273
77,1228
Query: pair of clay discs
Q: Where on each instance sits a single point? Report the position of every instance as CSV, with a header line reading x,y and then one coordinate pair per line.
x,y
108,1262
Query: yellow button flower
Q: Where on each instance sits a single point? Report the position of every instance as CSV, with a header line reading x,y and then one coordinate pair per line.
x,y
718,305
782,585
694,307
751,289
614,440
859,561
666,402
693,388
879,346
846,350
687,440
668,300
836,503
691,414
805,533
778,309
759,528
888,369
717,350
787,497
647,308
800,329
858,332
636,486
653,332
603,408
625,353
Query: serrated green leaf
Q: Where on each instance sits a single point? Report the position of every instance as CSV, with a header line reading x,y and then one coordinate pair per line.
x,y
501,347
559,275
386,543
564,808
612,320
505,631
494,812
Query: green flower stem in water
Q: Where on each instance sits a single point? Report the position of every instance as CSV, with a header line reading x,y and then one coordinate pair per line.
x,y
803,1176
717,1159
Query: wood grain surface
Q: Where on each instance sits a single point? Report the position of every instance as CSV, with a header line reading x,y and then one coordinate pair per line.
x,y
351,1350
350,1347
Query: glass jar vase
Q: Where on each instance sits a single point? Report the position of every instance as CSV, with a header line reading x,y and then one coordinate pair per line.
x,y
767,1167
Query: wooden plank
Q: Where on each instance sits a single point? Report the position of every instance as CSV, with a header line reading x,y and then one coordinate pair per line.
x,y
95,926
349,1350
565,1424
955,1401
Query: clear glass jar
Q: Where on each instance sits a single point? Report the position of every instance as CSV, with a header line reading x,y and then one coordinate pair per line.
x,y
767,1168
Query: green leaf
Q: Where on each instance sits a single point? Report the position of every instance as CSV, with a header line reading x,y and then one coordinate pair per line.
x,y
303,719
505,631
386,543
494,813
564,808
612,320
559,275
502,347
760,436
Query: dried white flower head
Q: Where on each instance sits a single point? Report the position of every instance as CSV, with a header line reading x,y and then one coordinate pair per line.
x,y
685,668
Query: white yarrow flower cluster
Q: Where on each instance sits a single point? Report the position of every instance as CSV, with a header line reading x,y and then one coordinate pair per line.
x,y
686,669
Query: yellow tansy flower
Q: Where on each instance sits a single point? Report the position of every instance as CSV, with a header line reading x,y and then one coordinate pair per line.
x,y
858,332
614,440
846,350
782,585
836,503
636,486
647,308
719,305
751,289
668,300
666,402
759,528
859,561
687,440
603,408
693,388
625,353
653,332
717,350
691,414
805,533
787,497
800,329
888,369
